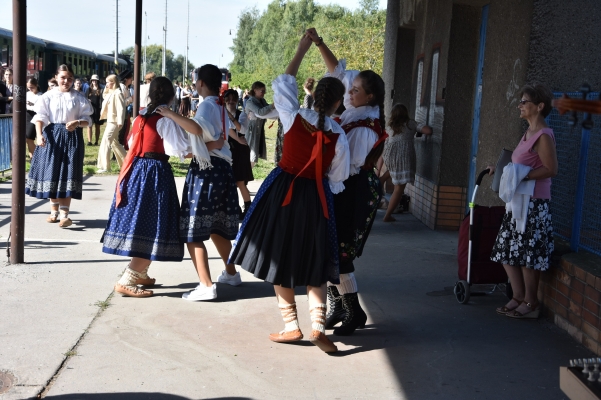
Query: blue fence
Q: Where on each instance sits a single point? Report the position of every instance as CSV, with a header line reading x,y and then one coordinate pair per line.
x,y
6,139
576,192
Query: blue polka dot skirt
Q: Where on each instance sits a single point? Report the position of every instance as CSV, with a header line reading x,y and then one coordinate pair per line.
x,y
146,225
57,168
291,246
209,203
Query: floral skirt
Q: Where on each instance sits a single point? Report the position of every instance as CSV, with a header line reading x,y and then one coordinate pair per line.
x,y
209,203
532,248
356,208
57,168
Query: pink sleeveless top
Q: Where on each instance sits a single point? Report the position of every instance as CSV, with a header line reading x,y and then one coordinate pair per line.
x,y
523,154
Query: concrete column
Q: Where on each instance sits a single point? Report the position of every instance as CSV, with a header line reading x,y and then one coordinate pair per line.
x,y
393,15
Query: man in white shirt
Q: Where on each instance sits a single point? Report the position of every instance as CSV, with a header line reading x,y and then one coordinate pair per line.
x,y
144,89
126,78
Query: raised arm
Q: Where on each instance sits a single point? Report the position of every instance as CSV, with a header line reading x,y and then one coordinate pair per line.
x,y
303,47
327,55
186,123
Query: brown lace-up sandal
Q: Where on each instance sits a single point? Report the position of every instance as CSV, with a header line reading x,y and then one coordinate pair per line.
x,y
532,314
505,310
132,291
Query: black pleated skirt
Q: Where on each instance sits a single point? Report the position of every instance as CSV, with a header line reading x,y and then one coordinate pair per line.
x,y
291,246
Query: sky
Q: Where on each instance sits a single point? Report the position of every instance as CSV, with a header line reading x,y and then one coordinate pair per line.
x,y
84,24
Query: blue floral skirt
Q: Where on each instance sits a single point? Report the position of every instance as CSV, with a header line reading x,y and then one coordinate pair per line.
x,y
291,246
532,248
209,203
57,168
145,225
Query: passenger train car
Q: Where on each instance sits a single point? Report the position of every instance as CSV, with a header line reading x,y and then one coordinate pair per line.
x,y
45,56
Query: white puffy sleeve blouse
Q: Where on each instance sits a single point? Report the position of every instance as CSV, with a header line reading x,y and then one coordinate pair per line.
x,y
56,107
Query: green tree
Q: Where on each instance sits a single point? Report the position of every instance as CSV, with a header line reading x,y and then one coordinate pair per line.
x,y
265,42
174,65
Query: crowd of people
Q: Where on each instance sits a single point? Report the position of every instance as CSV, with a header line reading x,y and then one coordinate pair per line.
x,y
312,215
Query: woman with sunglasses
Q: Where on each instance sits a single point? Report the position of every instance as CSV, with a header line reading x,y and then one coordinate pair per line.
x,y
524,245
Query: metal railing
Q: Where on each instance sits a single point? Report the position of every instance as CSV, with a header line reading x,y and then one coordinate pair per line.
x,y
576,192
6,140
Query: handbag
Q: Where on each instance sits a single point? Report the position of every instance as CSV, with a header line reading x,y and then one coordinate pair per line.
x,y
504,159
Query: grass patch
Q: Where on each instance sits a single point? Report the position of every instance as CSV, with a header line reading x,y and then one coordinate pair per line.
x,y
260,171
103,305
70,353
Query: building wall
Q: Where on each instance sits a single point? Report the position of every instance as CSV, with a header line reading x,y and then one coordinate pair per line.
x,y
564,41
505,65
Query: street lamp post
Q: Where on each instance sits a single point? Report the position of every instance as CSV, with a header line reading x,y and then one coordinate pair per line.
x,y
165,40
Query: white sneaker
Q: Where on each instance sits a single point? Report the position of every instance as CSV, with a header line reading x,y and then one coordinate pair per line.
x,y
101,171
201,292
233,280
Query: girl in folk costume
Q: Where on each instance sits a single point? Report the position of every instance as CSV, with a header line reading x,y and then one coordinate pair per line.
x,y
143,219
288,237
210,200
56,171
356,207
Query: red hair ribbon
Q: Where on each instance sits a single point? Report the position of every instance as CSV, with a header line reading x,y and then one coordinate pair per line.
x,y
317,156
134,150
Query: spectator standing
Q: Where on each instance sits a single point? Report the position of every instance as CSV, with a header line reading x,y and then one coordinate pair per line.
x,y
95,98
85,86
56,171
145,89
184,106
6,99
78,85
126,78
257,109
195,100
524,245
113,111
32,97
178,96
308,87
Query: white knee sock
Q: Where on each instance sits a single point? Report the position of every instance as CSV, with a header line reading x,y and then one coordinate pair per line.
x,y
348,284
288,312
318,316
129,277
64,212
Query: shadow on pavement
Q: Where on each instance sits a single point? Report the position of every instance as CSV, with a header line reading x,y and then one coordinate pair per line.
x,y
132,396
226,293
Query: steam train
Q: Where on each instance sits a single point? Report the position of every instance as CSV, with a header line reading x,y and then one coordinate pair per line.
x,y
44,56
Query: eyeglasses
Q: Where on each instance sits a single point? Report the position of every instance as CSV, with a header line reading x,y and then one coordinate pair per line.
x,y
523,102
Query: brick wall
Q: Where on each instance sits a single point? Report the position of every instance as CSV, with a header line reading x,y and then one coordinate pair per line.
x,y
571,295
438,207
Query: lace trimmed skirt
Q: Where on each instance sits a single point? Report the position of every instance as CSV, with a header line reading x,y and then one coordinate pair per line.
x,y
57,168
145,226
209,203
532,248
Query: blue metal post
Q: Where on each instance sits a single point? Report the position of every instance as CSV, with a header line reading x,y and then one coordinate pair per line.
x,y
477,102
580,187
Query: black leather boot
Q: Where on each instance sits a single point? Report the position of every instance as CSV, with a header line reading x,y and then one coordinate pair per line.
x,y
355,316
335,311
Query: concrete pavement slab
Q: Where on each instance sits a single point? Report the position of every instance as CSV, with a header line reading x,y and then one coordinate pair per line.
x,y
419,343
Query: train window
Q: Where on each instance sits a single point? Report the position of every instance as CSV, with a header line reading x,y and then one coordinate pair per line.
x,y
40,60
4,56
31,59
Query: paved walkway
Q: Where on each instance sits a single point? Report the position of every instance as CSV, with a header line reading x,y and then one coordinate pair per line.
x,y
59,338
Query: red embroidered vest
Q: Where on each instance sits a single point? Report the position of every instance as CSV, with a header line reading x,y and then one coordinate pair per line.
x,y
374,125
308,152
152,142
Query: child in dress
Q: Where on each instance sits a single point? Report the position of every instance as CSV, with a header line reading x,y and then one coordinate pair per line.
x,y
399,154
288,237
143,221
363,121
56,171
210,200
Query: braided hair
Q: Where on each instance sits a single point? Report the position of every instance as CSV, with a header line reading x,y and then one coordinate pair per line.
x,y
161,91
328,91
374,84
211,76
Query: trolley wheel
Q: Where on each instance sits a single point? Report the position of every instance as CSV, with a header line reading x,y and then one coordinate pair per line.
x,y
462,292
508,290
